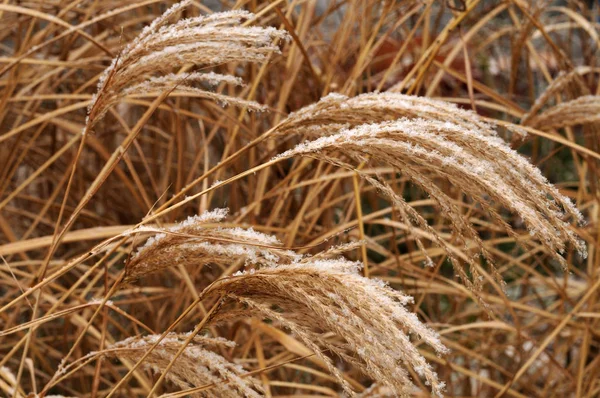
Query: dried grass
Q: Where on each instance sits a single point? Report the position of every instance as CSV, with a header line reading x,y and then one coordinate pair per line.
x,y
326,300
430,140
195,242
204,41
197,366
313,283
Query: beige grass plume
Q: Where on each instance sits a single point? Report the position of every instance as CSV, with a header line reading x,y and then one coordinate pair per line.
x,y
145,65
197,365
428,140
570,84
336,111
582,110
315,299
201,240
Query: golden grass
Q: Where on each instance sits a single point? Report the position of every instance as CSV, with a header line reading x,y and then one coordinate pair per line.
x,y
414,210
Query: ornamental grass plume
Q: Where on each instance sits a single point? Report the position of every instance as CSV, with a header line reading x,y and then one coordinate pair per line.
x,y
336,111
313,297
331,308
201,240
428,140
144,66
582,110
198,364
570,84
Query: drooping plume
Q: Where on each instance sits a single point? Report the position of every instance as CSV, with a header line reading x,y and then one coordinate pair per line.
x,y
201,240
198,364
429,140
146,65
315,299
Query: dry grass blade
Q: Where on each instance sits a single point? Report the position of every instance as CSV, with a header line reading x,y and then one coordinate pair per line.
x,y
196,366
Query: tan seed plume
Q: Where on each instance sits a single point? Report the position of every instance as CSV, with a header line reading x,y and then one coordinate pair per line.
x,y
198,364
197,241
318,298
145,65
429,140
583,110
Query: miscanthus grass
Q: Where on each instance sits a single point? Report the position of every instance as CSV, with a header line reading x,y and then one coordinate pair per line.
x,y
431,139
203,41
200,240
197,366
313,297
294,199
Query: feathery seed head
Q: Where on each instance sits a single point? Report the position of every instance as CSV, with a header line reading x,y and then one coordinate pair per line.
x,y
195,241
161,47
430,140
196,366
329,296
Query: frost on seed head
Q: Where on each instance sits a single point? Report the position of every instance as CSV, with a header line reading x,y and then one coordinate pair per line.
x,y
197,365
145,66
367,317
197,241
430,141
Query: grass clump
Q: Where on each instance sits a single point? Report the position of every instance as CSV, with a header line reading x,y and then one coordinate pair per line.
x,y
374,230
